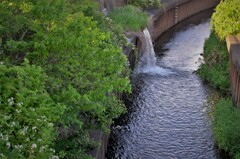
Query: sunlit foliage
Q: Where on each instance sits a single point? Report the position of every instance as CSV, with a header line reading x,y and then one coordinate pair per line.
x,y
226,19
63,68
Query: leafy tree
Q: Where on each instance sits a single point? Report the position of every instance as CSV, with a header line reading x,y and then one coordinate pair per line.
x,y
81,64
225,20
27,113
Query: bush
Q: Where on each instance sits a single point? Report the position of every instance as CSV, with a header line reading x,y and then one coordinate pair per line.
x,y
215,70
227,127
145,4
27,113
78,66
130,18
225,20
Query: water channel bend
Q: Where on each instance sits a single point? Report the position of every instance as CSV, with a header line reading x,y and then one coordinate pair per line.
x,y
167,117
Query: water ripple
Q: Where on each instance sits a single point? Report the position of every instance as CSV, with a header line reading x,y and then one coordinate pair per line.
x,y
168,119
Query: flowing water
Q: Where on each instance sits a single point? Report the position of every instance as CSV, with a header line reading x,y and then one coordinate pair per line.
x,y
167,116
148,61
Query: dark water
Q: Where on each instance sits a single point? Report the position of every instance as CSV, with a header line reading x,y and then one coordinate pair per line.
x,y
168,117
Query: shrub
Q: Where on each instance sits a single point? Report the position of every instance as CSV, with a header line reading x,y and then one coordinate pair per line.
x,y
225,20
227,127
145,4
130,18
79,67
27,113
215,70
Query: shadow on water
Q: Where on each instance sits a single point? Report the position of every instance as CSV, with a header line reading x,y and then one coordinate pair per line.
x,y
167,115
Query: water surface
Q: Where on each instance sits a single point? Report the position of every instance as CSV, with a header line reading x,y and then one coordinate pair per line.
x,y
167,117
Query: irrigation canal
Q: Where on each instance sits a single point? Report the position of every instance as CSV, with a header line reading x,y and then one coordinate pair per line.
x,y
167,117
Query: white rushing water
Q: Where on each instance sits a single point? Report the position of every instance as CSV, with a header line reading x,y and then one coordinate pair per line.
x,y
147,63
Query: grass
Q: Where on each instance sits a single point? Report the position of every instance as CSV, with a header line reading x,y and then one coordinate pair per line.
x,y
227,127
145,4
226,117
130,18
215,71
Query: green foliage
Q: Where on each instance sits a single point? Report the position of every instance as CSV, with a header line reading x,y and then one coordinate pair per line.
x,y
227,127
27,113
130,18
215,70
80,64
225,20
145,4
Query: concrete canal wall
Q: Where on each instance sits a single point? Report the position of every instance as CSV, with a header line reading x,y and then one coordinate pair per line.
x,y
174,11
233,45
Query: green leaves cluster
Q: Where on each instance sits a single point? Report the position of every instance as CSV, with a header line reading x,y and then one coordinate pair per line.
x,y
145,4
130,18
225,20
75,68
27,113
227,127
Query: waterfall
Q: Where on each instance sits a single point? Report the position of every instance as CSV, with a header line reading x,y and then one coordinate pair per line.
x,y
148,61
148,58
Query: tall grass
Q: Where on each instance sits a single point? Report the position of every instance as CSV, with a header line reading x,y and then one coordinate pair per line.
x,y
145,4
130,18
227,127
215,70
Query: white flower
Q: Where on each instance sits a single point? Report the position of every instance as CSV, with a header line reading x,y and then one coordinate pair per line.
x,y
34,128
25,128
43,117
13,124
52,150
20,104
55,157
18,111
50,124
33,109
11,101
34,146
8,144
22,132
41,148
